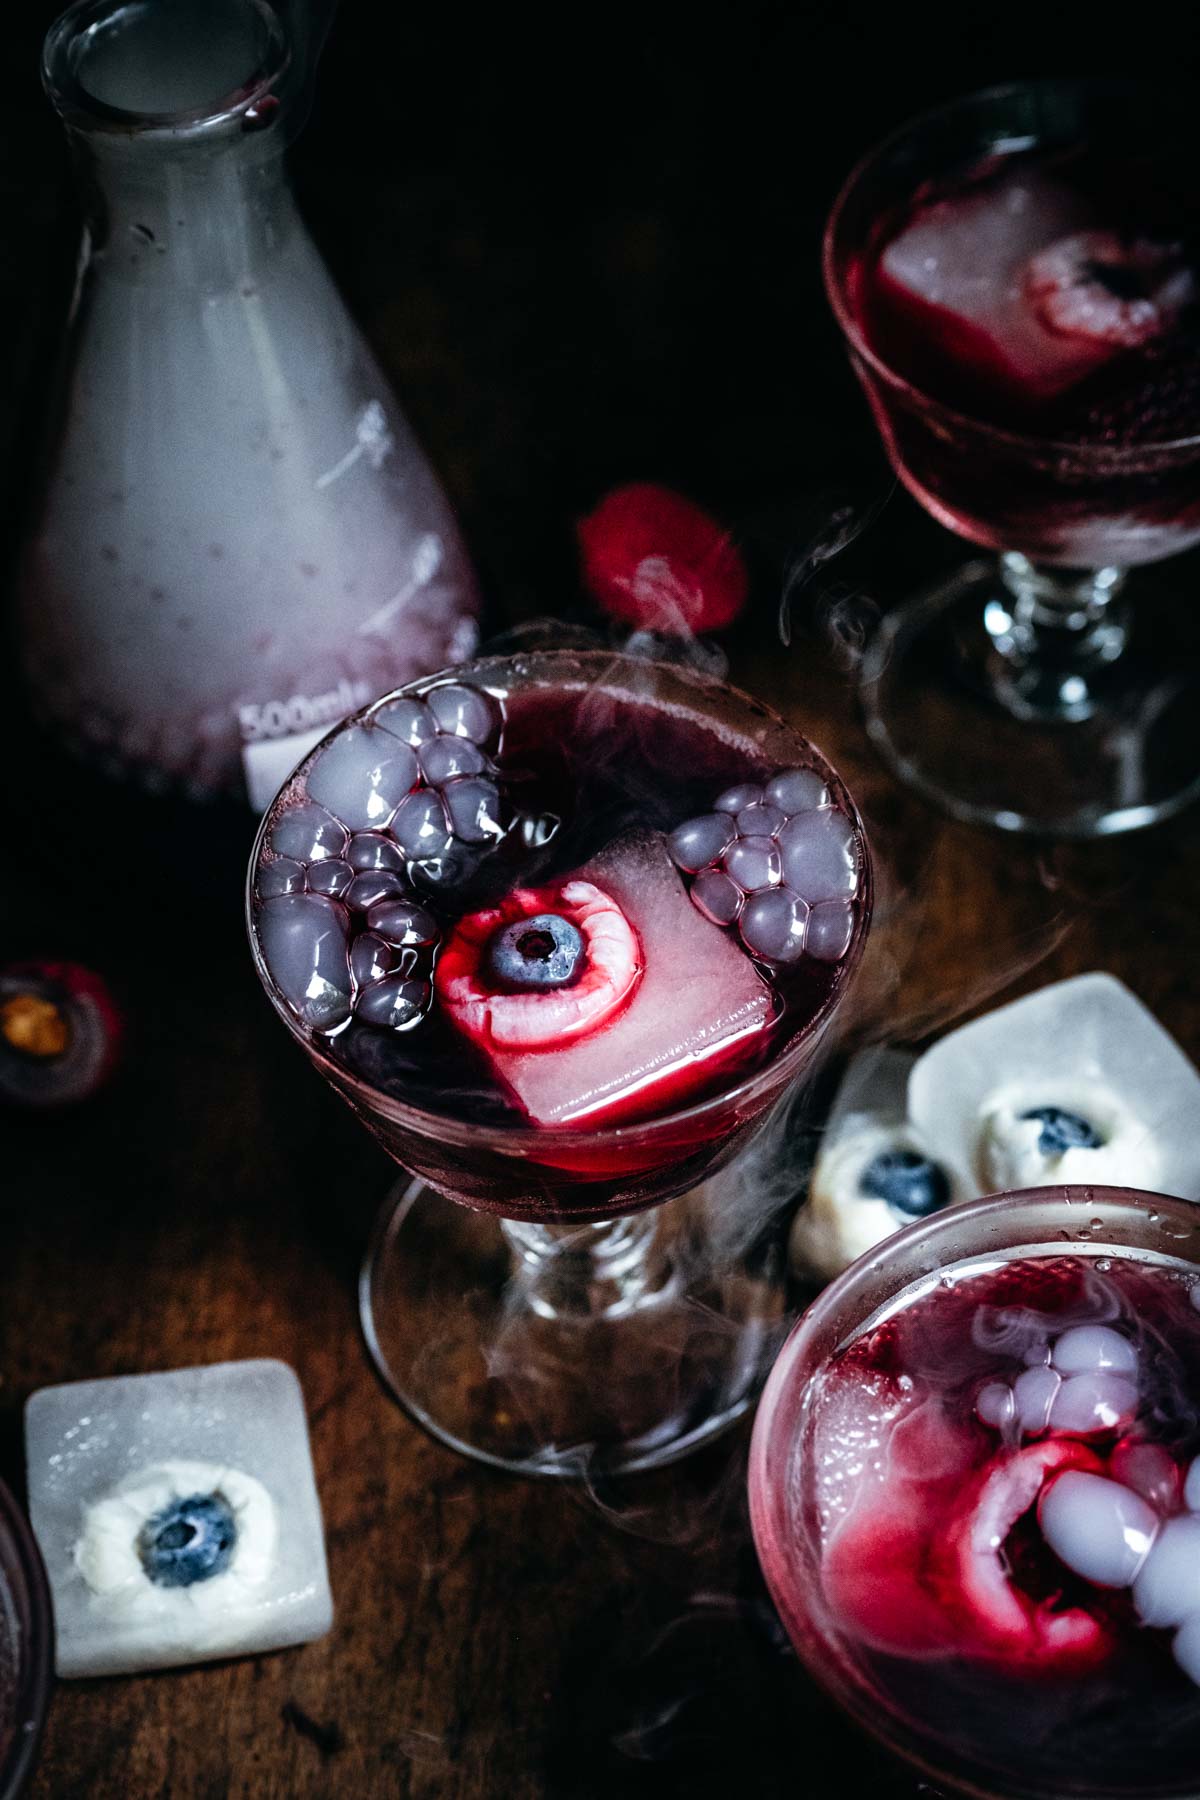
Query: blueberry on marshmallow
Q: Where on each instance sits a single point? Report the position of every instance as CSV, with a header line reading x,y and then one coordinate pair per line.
x,y
911,1185
188,1541
1062,1130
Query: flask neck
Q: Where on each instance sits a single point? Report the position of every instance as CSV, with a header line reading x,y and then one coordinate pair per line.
x,y
166,68
178,116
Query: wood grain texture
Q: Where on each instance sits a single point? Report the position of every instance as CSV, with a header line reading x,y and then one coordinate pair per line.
x,y
571,288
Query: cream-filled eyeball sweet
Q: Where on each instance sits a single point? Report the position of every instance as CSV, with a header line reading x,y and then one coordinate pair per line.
x,y
181,1537
870,1178
1046,1133
1075,1083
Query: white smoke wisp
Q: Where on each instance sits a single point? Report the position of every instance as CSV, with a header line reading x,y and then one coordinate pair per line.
x,y
686,1507
898,998
916,981
745,1204
689,652
845,524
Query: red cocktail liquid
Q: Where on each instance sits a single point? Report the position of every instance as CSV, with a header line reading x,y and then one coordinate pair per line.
x,y
1051,293
942,1575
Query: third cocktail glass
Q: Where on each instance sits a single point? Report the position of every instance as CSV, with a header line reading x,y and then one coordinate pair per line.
x,y
975,1492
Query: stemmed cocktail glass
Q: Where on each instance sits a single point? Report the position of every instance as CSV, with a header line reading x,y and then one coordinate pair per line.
x,y
555,1322
1016,277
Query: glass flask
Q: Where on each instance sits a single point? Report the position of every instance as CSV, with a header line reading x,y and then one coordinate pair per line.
x,y
238,539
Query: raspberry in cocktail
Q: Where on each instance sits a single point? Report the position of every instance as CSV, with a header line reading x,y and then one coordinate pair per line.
x,y
561,928
976,1493
1018,279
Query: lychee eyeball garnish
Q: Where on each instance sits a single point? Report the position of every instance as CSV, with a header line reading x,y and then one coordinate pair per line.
x,y
188,1541
60,1033
655,561
1109,288
544,968
780,861
997,1619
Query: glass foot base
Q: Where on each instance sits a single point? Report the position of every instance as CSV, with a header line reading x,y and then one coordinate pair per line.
x,y
571,1351
958,722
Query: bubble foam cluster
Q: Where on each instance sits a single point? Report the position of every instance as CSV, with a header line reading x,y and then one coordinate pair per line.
x,y
1085,1382
1111,1534
397,807
1123,1527
778,861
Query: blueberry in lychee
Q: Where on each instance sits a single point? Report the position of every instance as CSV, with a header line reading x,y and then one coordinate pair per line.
x,y
545,951
544,967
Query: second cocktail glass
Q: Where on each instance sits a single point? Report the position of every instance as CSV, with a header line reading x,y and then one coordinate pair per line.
x,y
1016,279
703,873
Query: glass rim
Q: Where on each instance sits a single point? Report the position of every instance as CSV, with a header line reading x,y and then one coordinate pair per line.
x,y
988,1207
35,1652
531,1140
65,46
768,1528
1105,457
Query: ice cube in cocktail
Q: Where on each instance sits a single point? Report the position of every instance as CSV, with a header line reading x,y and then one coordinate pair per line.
x,y
177,1515
985,1504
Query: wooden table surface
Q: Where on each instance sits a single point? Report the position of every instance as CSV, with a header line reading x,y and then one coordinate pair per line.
x,y
575,280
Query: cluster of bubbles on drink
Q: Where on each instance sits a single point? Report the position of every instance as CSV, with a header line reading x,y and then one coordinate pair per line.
x,y
406,796
780,862
402,804
1122,1530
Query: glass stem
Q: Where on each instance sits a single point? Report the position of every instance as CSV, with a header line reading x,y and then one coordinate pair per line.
x,y
589,1270
1054,631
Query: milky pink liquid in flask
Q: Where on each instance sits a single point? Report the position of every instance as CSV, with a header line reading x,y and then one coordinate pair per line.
x,y
238,540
